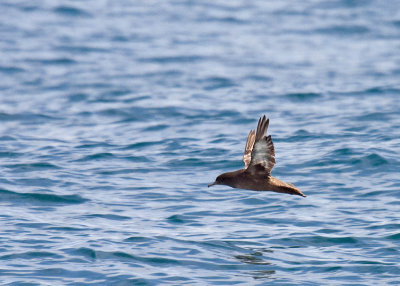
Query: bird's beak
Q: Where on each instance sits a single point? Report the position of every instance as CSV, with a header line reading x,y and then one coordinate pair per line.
x,y
212,184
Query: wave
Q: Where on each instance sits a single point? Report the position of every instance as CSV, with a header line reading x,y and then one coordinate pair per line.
x,y
34,198
71,11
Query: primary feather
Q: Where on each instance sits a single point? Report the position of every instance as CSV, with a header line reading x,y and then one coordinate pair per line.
x,y
263,152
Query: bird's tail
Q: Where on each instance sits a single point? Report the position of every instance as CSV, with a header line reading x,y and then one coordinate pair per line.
x,y
287,188
294,191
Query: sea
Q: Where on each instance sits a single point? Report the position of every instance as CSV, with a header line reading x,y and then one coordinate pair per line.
x,y
116,115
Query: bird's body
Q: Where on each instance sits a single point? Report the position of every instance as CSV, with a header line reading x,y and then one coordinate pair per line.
x,y
259,159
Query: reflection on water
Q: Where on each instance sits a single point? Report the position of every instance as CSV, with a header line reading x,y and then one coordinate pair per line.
x,y
252,258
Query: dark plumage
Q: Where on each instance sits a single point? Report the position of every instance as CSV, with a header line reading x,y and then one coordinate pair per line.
x,y
259,159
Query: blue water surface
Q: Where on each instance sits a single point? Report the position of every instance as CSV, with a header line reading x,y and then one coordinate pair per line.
x,y
115,115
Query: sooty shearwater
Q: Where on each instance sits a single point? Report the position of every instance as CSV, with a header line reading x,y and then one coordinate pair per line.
x,y
259,159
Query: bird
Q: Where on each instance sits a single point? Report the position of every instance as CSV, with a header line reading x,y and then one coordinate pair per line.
x,y
259,159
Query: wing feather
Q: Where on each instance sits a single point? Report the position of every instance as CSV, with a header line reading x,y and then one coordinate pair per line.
x,y
263,152
251,138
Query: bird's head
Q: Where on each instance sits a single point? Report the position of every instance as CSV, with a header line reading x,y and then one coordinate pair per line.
x,y
223,179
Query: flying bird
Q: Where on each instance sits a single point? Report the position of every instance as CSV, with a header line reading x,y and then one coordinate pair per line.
x,y
259,159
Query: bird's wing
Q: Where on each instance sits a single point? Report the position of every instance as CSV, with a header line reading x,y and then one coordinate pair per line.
x,y
263,153
248,148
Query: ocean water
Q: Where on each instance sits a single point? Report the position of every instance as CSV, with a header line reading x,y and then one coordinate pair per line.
x,y
115,115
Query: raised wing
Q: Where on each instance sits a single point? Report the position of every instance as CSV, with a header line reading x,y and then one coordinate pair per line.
x,y
249,147
263,153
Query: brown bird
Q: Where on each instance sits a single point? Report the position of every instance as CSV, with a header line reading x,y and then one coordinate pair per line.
x,y
259,159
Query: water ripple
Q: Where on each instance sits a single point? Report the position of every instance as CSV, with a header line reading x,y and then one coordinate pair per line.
x,y
42,198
